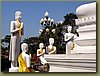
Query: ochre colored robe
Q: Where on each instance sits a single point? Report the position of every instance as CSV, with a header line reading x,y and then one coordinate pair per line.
x,y
22,64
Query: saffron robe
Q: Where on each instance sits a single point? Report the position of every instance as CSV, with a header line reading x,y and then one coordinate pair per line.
x,y
22,64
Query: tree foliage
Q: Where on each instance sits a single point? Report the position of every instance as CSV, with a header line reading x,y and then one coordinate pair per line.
x,y
5,43
70,20
33,43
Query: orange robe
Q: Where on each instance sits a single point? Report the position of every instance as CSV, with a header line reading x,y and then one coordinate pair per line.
x,y
22,64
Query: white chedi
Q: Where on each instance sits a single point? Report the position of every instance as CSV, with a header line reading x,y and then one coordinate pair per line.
x,y
53,30
41,21
52,20
47,30
49,19
83,11
40,31
86,42
46,14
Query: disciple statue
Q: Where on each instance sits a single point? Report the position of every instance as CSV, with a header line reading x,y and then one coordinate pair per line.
x,y
16,29
51,49
69,38
40,54
24,59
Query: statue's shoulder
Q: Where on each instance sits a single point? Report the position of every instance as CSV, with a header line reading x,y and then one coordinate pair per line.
x,y
27,55
72,34
24,55
43,49
13,21
22,23
66,33
38,49
48,46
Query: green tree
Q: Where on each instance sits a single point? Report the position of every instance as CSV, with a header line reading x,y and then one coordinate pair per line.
x,y
70,20
5,43
33,43
58,36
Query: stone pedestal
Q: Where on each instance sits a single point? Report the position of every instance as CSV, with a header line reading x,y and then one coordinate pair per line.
x,y
13,69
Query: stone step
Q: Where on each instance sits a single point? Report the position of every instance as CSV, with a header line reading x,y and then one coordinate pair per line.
x,y
89,64
85,61
72,60
71,56
86,42
75,65
84,49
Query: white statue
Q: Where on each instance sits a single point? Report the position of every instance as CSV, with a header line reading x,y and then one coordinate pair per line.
x,y
16,29
40,54
24,59
69,38
51,49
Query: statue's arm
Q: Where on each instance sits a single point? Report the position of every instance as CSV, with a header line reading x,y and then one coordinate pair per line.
x,y
22,28
22,25
28,61
53,50
75,36
38,53
67,37
43,51
12,25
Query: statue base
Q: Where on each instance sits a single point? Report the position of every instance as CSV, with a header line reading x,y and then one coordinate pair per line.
x,y
13,69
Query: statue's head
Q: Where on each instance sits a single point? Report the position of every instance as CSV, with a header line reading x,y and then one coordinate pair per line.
x,y
69,28
24,47
51,41
41,45
18,15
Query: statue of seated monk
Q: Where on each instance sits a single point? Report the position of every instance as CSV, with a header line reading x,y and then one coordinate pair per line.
x,y
24,59
40,53
44,66
51,49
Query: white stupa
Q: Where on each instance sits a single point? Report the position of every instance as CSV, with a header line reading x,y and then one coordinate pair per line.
x,y
86,42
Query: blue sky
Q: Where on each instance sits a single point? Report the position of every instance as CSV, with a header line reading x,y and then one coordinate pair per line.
x,y
33,12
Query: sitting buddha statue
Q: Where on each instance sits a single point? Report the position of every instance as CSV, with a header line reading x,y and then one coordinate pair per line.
x,y
24,59
40,54
51,49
